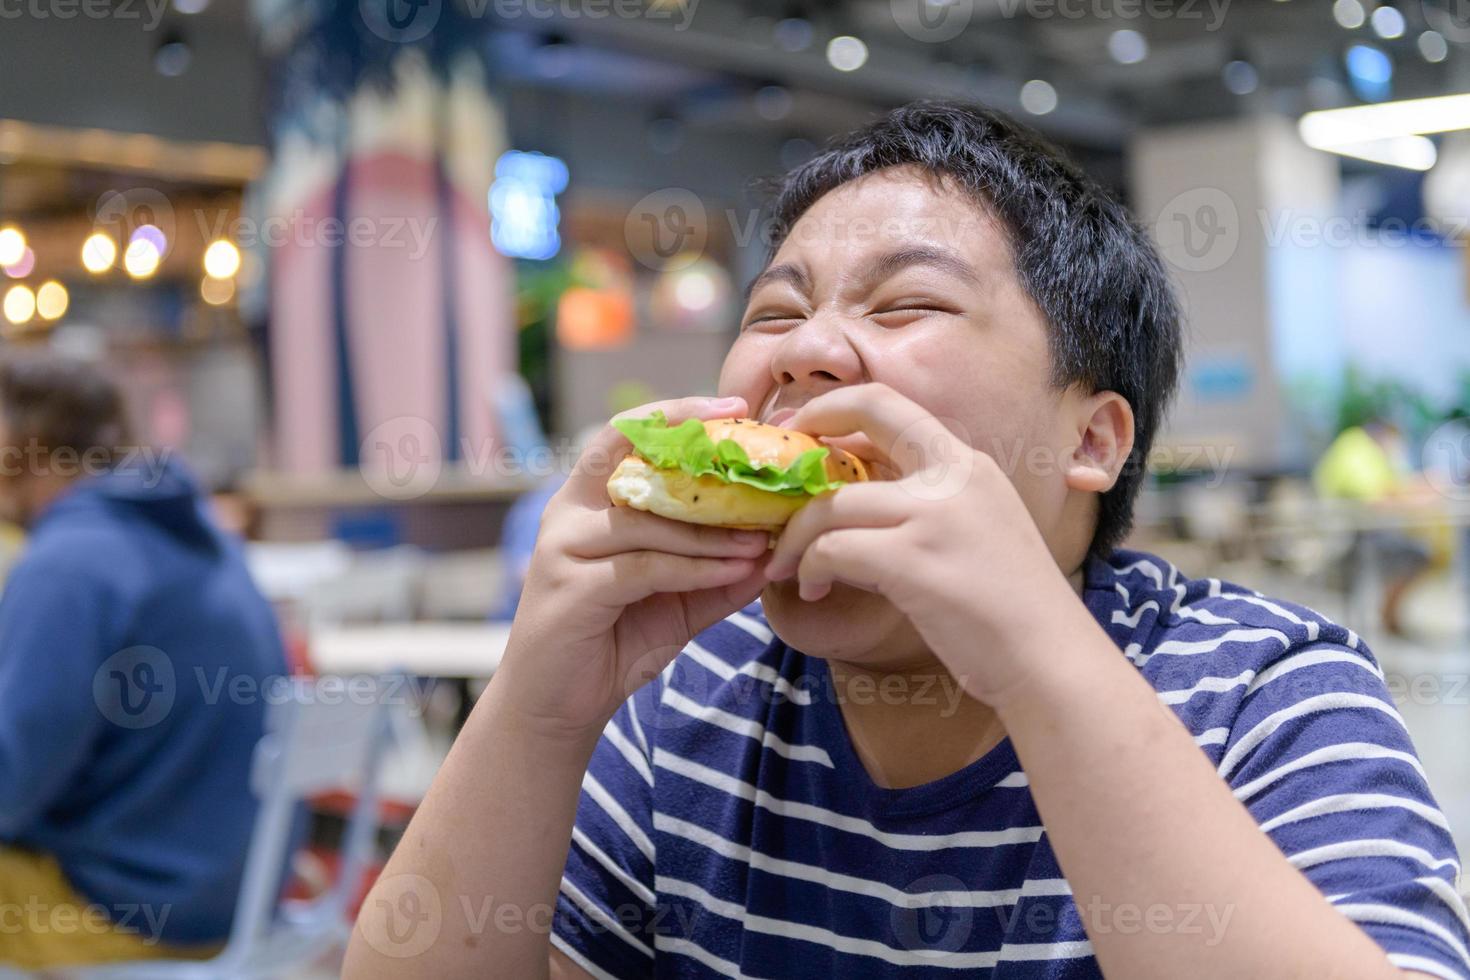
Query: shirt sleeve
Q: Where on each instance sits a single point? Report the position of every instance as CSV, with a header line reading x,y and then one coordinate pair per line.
x,y
1320,756
605,919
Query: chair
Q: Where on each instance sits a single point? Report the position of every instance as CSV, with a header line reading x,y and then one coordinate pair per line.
x,y
309,747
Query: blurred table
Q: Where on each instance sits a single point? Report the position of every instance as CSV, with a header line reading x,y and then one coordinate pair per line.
x,y
465,650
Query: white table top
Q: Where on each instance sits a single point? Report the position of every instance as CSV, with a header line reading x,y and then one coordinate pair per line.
x,y
423,649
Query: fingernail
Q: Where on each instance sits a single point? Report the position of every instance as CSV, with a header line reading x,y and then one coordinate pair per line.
x,y
727,402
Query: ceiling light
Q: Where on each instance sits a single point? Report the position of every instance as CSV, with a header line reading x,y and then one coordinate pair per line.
x,y
846,53
1038,97
1127,46
1387,22
1359,124
1433,46
1349,13
1241,77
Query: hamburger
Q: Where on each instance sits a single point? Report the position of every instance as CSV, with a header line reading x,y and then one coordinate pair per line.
x,y
735,473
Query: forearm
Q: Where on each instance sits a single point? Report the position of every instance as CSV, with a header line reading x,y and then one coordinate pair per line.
x,y
1170,874
490,840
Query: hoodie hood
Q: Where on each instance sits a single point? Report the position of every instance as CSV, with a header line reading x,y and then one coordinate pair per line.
x,y
154,488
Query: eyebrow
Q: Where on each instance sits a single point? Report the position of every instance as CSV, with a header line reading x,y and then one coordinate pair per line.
x,y
881,268
785,272
940,258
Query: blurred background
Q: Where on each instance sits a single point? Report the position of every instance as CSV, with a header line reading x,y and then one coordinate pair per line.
x,y
371,266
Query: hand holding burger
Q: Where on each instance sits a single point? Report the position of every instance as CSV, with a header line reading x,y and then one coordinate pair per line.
x,y
735,473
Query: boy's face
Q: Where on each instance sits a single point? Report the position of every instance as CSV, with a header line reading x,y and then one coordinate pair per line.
x,y
903,279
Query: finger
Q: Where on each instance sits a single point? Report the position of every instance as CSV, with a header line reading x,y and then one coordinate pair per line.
x,y
635,575
900,430
856,556
600,533
854,505
705,608
587,483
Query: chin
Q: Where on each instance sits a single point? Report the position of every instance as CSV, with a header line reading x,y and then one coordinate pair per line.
x,y
847,624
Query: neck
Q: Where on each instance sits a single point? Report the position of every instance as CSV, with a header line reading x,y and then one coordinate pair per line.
x,y
40,492
910,721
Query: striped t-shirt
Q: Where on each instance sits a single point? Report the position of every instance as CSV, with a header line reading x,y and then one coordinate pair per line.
x,y
726,827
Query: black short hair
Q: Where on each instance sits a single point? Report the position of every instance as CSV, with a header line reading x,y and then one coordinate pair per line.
x,y
1085,262
54,402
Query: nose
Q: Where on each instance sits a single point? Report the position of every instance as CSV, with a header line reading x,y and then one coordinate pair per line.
x,y
817,354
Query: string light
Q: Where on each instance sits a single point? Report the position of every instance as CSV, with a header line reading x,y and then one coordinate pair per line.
x,y
141,259
12,246
99,252
19,305
222,259
52,300
216,291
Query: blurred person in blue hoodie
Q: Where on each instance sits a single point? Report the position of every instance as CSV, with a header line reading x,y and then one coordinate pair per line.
x,y
134,648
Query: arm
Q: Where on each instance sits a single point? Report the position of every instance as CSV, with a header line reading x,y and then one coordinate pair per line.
x,y
1139,819
1135,812
52,642
611,597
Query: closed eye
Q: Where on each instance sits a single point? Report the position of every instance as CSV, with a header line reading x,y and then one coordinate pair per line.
x,y
769,320
913,311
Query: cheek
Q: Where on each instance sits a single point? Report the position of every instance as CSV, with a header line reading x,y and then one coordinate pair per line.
x,y
747,369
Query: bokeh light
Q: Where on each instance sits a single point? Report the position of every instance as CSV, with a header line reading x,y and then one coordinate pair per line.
x,y
12,246
141,259
222,259
52,300
99,252
20,305
217,291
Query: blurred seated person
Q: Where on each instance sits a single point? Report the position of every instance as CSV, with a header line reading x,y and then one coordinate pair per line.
x,y
1367,464
133,650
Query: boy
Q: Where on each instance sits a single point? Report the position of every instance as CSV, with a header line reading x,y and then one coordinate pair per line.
x,y
1139,773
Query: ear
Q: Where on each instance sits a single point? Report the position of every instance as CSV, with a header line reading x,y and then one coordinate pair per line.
x,y
1104,441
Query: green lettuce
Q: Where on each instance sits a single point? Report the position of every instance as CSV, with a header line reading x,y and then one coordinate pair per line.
x,y
688,447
